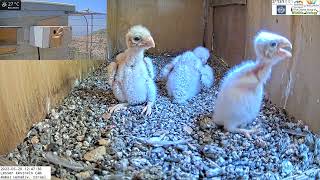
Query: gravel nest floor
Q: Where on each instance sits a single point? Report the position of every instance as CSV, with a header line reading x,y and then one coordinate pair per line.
x,y
175,142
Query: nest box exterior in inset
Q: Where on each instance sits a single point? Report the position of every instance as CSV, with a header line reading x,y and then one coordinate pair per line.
x,y
50,36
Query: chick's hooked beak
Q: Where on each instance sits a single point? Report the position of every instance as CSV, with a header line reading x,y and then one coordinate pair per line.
x,y
148,42
285,48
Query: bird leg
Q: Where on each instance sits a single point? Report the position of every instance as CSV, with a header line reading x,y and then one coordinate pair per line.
x,y
246,132
115,108
166,71
147,109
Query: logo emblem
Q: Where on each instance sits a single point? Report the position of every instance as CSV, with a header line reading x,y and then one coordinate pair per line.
x,y
281,9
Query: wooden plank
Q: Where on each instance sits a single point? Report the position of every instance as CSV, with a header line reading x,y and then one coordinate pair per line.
x,y
303,97
206,9
27,88
209,35
8,36
215,3
7,50
57,41
175,25
229,30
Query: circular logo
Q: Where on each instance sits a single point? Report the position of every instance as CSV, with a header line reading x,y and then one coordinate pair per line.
x,y
281,9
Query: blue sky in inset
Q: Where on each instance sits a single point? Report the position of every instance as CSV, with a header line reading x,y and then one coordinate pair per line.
x,y
78,23
93,5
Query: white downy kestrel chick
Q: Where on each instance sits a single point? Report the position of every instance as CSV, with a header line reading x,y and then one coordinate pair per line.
x,y
132,75
241,92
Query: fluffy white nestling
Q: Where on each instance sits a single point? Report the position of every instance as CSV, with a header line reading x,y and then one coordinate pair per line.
x,y
241,91
132,75
187,73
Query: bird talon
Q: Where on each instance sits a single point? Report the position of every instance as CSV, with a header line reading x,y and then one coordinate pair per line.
x,y
144,110
113,109
247,132
147,110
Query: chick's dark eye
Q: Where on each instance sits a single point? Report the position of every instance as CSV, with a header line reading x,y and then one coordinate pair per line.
x,y
136,38
273,44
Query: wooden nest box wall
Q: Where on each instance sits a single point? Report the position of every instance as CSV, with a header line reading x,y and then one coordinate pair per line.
x,y
30,89
227,27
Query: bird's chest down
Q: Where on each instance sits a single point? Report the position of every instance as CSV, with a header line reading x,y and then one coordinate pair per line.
x,y
247,103
134,83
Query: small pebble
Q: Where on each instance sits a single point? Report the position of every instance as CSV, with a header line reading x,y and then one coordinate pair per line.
x,y
84,175
80,138
188,129
213,172
72,107
96,154
95,177
35,140
103,142
68,153
286,167
86,143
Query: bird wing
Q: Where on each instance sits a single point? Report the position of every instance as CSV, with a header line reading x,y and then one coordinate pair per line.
x,y
111,72
168,68
207,76
150,67
151,87
113,67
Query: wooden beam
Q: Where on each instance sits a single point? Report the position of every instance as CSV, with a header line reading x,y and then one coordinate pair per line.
x,y
229,30
205,21
8,36
7,50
